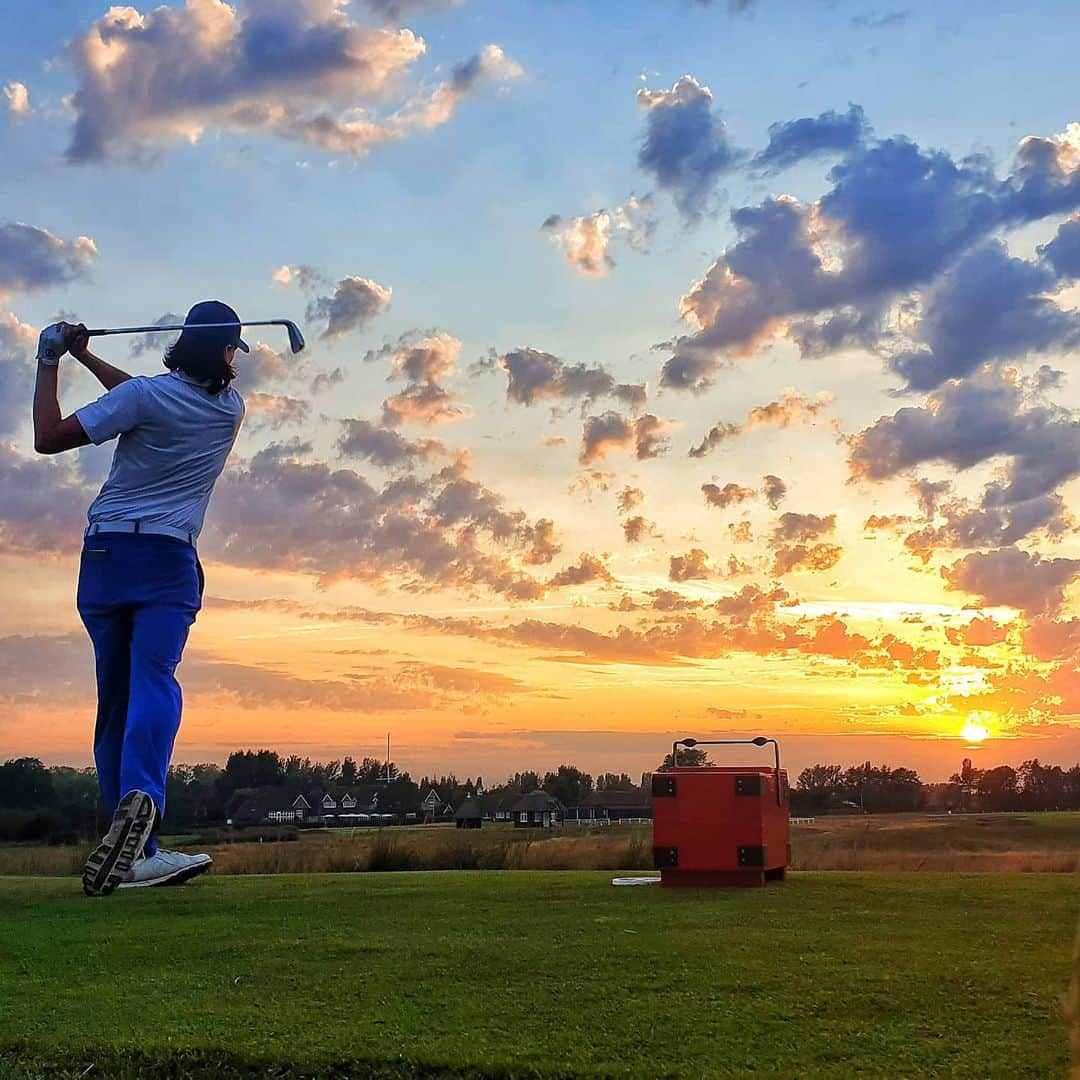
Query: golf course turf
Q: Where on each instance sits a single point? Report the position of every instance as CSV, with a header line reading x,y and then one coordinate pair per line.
x,y
508,974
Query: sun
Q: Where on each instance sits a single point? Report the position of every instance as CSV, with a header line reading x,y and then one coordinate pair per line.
x,y
974,734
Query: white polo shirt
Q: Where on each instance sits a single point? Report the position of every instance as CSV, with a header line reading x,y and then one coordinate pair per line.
x,y
175,438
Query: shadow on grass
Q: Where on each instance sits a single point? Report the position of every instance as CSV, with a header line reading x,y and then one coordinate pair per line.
x,y
18,1062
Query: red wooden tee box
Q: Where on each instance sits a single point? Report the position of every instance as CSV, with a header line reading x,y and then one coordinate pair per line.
x,y
716,825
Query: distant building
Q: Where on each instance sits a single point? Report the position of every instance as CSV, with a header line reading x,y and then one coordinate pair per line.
x,y
469,815
537,810
335,806
613,806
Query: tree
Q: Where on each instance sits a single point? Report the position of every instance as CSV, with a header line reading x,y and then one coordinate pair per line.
x,y
25,783
524,782
349,772
998,789
688,756
610,781
818,787
569,785
251,769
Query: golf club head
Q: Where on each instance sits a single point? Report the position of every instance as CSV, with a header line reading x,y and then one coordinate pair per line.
x,y
296,339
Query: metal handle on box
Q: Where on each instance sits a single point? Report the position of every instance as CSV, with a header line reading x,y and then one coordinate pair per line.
x,y
759,740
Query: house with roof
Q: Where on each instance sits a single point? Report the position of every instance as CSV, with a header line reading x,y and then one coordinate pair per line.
x,y
537,810
358,804
469,815
614,806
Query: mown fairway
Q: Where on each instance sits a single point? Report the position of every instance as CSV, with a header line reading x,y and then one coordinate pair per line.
x,y
538,974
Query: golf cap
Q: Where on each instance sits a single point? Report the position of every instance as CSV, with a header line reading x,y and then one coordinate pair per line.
x,y
214,311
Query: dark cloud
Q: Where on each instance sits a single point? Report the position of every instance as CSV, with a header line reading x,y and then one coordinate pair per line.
x,y
43,509
543,546
774,489
354,302
32,258
275,411
1063,252
686,147
964,423
802,527
988,306
875,21
644,436
298,70
693,565
1011,577
367,441
18,342
792,141
635,529
630,498
728,495
587,568
894,218
156,343
533,375
281,510
815,558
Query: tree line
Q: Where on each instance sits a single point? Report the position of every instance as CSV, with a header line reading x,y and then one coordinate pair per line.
x,y
61,805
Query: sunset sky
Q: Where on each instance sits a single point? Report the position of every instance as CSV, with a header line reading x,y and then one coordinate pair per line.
x,y
674,368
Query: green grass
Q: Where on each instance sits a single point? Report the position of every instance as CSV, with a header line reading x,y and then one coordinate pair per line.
x,y
538,974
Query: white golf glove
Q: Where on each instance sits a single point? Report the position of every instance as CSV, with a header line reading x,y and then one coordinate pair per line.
x,y
51,345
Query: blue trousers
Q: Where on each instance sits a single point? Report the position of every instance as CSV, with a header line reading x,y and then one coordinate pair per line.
x,y
138,597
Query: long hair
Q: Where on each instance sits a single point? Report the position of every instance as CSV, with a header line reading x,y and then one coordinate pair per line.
x,y
201,354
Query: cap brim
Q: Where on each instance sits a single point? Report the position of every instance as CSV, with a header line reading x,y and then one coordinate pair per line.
x,y
241,344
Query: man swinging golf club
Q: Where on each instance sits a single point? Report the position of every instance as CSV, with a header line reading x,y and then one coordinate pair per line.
x,y
140,580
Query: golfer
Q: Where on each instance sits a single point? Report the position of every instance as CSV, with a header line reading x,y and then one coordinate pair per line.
x,y
140,580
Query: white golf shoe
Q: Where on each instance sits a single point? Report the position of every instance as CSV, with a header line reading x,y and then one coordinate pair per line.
x,y
166,868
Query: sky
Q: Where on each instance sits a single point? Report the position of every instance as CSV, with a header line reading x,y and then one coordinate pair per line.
x,y
680,368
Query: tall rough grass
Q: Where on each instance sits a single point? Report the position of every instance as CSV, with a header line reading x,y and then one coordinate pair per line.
x,y
887,843
1072,1009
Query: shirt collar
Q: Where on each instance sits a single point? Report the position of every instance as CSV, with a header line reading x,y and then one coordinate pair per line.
x,y
191,379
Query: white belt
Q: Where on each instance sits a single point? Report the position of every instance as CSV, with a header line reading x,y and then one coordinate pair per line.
x,y
143,528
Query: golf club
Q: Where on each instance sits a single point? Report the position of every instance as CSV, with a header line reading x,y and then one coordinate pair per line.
x,y
296,339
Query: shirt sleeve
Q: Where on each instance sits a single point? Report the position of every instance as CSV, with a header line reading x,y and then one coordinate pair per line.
x,y
113,413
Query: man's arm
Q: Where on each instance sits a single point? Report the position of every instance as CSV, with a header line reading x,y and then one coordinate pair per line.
x,y
53,433
105,374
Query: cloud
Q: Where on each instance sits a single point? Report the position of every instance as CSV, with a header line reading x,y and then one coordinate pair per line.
x,y
815,558
827,273
43,511
691,566
686,147
367,441
275,411
354,303
32,258
609,431
421,358
964,423
635,529
728,495
307,277
800,527
792,141
1063,252
630,498
987,307
1011,577
543,544
490,65
874,21
586,241
533,375
282,510
791,410
394,11
17,344
980,632
301,72
774,489
154,342
587,568
18,99
263,367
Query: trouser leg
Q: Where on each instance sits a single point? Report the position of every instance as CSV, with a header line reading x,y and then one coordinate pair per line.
x,y
110,632
153,717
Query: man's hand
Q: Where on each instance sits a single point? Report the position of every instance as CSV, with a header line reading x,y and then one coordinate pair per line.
x,y
52,344
77,340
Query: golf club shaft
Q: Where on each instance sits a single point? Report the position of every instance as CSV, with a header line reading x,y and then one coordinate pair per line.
x,y
104,332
